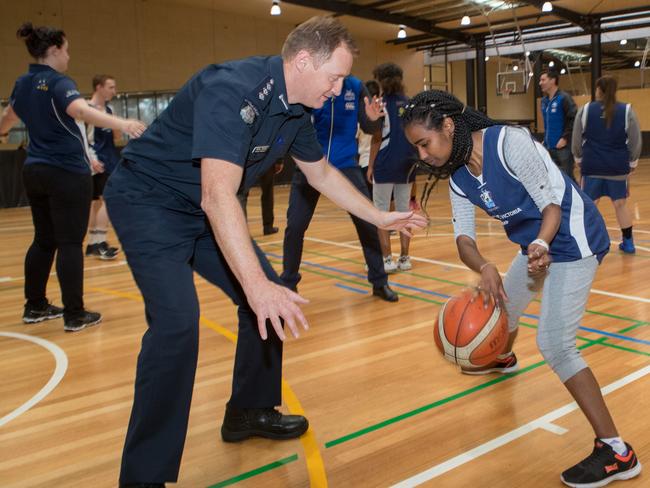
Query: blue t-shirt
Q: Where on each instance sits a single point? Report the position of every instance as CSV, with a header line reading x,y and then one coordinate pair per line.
x,y
604,149
40,98
104,145
501,195
235,111
348,110
396,157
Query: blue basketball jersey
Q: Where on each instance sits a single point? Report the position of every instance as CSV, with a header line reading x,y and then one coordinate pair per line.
x,y
501,195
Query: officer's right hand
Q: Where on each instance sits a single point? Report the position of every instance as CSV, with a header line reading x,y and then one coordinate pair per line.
x,y
273,302
134,128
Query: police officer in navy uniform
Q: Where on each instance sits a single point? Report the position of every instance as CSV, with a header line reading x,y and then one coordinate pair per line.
x,y
57,174
559,112
173,202
336,127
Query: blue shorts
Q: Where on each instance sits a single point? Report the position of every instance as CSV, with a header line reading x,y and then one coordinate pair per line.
x,y
599,187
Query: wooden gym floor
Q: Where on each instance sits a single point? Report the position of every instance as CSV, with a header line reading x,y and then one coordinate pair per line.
x,y
384,407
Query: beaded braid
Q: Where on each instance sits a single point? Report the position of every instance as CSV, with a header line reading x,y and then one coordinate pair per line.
x,y
429,109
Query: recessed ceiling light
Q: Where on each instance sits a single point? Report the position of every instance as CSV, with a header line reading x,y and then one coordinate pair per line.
x,y
465,20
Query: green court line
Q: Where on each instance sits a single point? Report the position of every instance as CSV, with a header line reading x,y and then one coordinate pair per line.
x,y
449,282
255,472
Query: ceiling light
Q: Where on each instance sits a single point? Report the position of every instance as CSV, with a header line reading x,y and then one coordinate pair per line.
x,y
563,71
637,63
551,64
465,20
401,34
515,68
547,7
275,8
527,53
623,42
590,59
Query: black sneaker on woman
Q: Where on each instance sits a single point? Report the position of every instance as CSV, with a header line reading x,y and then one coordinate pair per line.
x,y
86,319
32,315
602,467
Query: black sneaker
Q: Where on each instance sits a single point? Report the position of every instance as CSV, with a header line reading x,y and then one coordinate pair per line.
x,y
242,423
102,250
87,319
33,316
602,467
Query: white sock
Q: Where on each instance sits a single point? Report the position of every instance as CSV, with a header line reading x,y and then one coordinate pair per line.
x,y
617,444
97,236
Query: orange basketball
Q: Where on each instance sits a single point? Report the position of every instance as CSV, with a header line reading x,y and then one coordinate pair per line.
x,y
469,334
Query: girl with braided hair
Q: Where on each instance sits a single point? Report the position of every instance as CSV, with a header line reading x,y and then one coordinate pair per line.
x,y
562,238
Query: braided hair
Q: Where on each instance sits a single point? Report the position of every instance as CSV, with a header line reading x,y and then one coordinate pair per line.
x,y
429,109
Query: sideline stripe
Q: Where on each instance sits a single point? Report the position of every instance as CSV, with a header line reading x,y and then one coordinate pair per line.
x,y
59,372
315,465
346,287
514,434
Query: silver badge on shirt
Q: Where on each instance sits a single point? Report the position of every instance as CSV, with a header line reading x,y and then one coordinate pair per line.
x,y
247,114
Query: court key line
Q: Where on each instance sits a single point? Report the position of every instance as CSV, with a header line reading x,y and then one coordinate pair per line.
x,y
544,422
61,366
462,266
313,458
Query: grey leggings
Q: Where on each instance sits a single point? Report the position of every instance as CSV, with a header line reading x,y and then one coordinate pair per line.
x,y
565,289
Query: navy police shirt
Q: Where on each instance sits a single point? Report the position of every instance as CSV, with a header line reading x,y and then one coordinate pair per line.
x,y
236,111
40,98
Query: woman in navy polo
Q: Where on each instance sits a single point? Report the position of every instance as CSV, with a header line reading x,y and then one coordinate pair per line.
x,y
606,146
57,174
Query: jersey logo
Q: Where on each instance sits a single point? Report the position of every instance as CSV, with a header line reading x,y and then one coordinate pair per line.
x,y
260,149
486,196
349,96
42,85
349,105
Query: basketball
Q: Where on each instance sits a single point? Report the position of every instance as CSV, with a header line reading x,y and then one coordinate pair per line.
x,y
469,334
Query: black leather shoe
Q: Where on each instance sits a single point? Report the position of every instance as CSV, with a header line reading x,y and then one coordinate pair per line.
x,y
385,293
270,230
242,423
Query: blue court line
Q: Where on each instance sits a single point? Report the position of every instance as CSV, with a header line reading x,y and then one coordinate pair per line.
x,y
346,287
442,295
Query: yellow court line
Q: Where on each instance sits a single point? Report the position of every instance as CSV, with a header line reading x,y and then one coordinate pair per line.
x,y
314,460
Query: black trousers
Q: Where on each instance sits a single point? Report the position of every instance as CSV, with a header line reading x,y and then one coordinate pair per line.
x,y
166,239
266,185
60,205
302,204
564,160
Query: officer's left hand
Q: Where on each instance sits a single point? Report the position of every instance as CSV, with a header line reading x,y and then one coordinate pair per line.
x,y
374,109
561,143
405,222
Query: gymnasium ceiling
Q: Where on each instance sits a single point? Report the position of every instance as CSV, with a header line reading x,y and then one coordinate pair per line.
x,y
434,25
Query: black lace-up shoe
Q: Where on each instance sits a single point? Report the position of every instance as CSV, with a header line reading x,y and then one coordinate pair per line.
x,y
87,319
602,467
242,423
385,293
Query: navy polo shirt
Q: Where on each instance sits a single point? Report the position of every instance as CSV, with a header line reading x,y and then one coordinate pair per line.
x,y
40,98
235,111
